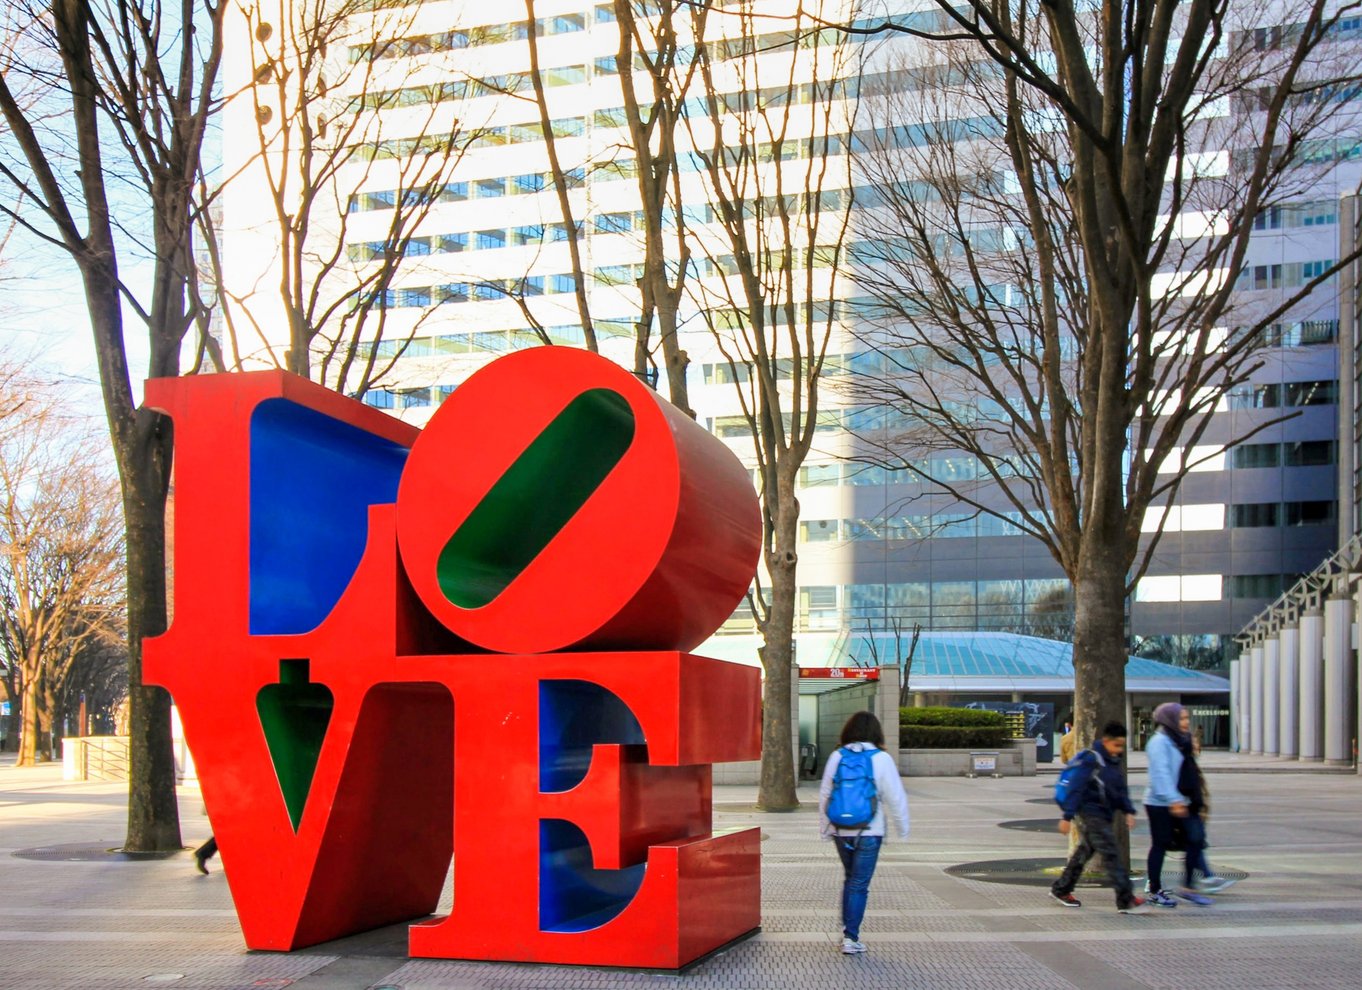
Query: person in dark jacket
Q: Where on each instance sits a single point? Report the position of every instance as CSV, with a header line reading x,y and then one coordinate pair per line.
x,y
1095,797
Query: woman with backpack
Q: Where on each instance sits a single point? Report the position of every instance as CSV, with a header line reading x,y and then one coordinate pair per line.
x,y
860,779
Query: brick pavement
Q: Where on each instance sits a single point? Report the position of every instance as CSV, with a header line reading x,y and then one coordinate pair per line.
x,y
1297,921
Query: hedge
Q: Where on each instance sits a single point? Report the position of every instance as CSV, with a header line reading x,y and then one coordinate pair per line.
x,y
955,717
951,728
953,737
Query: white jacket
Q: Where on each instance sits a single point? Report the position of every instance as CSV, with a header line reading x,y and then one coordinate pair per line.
x,y
888,788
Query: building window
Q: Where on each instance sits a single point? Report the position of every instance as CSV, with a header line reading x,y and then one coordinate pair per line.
x,y
1259,585
1309,513
414,398
1180,588
1311,393
1266,396
379,399
819,475
1255,515
1308,453
1256,455
1205,517
818,531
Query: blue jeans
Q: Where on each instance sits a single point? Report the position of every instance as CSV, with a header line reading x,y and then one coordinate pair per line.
x,y
859,856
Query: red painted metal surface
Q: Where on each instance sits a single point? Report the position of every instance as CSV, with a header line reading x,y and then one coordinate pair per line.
x,y
658,556
571,789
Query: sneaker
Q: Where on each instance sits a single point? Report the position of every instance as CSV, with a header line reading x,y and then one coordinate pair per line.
x,y
1163,899
850,946
1201,900
1214,885
1137,905
1068,900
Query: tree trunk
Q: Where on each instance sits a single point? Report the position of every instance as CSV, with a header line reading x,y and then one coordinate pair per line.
x,y
153,814
674,359
1100,651
777,788
28,724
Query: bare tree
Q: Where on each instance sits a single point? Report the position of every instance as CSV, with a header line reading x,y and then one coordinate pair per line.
x,y
61,552
652,47
335,106
655,70
770,142
1057,252
564,179
135,81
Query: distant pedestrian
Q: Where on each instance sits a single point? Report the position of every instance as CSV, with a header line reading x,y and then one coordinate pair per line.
x,y
1091,791
1068,743
1175,803
204,853
859,782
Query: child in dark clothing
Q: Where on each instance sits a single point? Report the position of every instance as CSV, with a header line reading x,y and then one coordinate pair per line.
x,y
1093,801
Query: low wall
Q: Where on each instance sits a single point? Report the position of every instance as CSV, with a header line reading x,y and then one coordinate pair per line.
x,y
747,773
1015,759
94,758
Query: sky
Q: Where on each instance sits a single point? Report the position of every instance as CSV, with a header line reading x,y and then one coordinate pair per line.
x,y
43,318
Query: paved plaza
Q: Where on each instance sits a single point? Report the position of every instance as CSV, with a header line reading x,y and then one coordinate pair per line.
x,y
1296,922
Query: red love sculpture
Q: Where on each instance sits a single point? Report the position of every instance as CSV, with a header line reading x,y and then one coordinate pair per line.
x,y
392,648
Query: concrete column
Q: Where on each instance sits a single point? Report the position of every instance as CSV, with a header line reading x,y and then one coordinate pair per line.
x,y
887,708
1271,675
1311,709
1256,698
1236,701
1288,691
1338,661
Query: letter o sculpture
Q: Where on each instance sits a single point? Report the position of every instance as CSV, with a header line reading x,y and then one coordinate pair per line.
x,y
555,503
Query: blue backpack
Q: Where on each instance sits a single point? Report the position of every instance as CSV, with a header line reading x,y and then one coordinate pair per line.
x,y
854,799
1078,773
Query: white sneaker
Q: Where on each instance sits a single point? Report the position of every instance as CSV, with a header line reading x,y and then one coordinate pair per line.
x,y
850,946
1214,885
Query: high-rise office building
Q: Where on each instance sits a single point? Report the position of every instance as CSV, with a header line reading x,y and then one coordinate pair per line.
x,y
487,269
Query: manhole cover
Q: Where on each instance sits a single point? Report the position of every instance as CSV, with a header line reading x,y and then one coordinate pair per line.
x,y
1045,825
1020,872
89,852
1032,825
1042,872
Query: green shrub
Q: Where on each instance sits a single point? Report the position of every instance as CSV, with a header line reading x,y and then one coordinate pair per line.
x,y
951,728
955,717
953,736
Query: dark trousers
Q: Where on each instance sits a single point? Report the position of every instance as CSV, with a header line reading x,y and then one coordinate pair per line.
x,y
1168,833
208,850
1096,838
